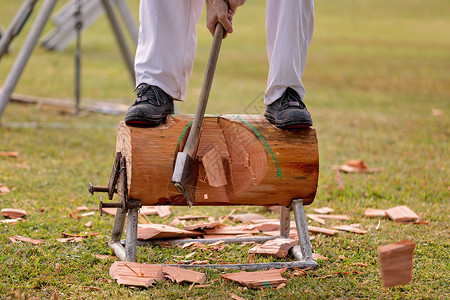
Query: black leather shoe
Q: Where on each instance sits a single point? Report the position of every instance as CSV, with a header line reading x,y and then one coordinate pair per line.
x,y
288,111
151,107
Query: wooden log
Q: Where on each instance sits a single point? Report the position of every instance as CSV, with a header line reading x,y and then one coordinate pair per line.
x,y
263,165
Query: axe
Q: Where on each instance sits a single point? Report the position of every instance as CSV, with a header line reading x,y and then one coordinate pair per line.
x,y
185,172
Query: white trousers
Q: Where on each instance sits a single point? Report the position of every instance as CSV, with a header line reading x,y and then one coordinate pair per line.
x,y
167,44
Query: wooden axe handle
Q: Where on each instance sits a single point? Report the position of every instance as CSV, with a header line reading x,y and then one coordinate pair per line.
x,y
194,134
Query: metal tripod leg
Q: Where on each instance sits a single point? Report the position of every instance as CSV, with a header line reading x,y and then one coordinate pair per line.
x,y
127,253
16,25
117,232
25,52
303,251
121,40
132,225
285,221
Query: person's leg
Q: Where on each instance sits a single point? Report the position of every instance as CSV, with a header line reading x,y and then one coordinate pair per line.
x,y
164,57
167,44
289,28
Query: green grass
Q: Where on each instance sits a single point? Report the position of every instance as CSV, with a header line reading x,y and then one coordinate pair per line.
x,y
375,72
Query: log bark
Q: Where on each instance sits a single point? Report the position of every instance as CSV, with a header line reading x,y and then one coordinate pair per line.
x,y
248,161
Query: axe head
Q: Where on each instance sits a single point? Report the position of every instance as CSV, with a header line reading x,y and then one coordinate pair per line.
x,y
185,175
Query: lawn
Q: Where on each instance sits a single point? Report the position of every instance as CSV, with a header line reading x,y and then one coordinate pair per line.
x,y
378,88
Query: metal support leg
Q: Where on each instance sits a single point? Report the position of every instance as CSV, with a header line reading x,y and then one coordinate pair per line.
x,y
132,224
128,19
303,252
117,232
25,52
285,221
16,25
121,40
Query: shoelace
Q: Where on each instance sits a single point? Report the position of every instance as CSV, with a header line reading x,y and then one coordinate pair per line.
x,y
156,96
292,99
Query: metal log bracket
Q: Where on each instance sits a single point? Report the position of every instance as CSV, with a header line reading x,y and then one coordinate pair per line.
x,y
128,209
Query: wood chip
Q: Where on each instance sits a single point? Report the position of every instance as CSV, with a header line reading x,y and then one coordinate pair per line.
x,y
13,213
136,274
11,239
374,212
88,224
323,210
334,217
28,240
213,164
86,235
70,239
147,210
356,166
267,226
82,208
317,256
315,218
9,154
159,231
163,211
339,179
91,213
274,208
402,214
109,210
349,229
236,297
191,217
183,275
92,288
202,226
259,279
396,263
249,218
4,190
104,257
10,221
277,247
281,286
360,264
22,166
324,231
226,230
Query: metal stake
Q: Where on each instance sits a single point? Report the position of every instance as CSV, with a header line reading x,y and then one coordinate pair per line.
x,y
302,232
78,27
132,225
285,221
117,232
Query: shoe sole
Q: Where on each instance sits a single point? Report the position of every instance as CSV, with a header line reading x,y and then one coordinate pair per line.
x,y
145,121
289,124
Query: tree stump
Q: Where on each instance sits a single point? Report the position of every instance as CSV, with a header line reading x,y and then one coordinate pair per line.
x,y
243,159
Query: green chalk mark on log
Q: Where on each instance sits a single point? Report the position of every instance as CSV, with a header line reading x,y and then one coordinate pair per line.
x,y
184,131
258,134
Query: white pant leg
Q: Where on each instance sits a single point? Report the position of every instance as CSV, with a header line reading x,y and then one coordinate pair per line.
x,y
289,29
167,44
